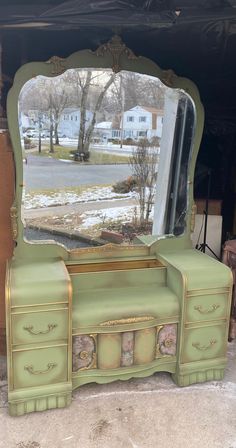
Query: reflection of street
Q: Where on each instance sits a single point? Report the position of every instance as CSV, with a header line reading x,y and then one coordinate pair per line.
x,y
79,209
87,217
44,172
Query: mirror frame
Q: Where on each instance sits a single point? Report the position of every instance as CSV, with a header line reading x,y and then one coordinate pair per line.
x,y
116,56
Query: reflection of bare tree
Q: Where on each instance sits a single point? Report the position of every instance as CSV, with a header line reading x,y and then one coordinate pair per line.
x,y
86,131
48,98
99,95
138,90
144,167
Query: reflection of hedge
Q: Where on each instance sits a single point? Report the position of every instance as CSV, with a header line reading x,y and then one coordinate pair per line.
x,y
28,143
126,185
129,141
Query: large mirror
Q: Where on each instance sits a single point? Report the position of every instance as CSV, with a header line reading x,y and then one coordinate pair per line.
x,y
105,157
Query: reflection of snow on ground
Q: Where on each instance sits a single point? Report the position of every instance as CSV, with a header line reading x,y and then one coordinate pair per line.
x,y
95,217
105,216
39,200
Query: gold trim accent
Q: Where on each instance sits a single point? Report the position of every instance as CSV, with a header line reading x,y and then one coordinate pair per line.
x,y
213,308
19,313
14,226
69,340
116,48
114,266
93,364
141,326
37,332
9,328
31,305
158,353
204,347
84,355
110,247
193,215
25,347
168,343
128,320
58,66
207,291
50,366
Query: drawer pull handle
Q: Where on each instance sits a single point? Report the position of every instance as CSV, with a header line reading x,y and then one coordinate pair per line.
x,y
207,311
31,330
50,366
198,346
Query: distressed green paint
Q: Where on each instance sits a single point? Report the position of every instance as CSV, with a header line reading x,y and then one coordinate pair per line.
x,y
203,343
32,328
145,346
48,282
39,360
39,291
126,302
109,351
206,307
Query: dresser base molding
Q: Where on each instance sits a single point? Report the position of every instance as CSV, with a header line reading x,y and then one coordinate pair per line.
x,y
36,400
123,374
200,376
200,371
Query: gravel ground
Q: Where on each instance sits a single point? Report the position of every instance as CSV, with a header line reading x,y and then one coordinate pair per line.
x,y
33,234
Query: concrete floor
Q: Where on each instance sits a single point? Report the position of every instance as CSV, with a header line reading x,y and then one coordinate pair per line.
x,y
141,413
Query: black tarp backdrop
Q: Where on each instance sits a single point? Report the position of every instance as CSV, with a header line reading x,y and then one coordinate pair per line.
x,y
196,38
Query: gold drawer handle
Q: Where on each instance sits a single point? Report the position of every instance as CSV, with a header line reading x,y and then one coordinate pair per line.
x,y
204,347
31,330
210,310
50,366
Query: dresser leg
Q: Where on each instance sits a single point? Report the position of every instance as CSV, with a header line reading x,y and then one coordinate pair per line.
x,y
40,403
199,376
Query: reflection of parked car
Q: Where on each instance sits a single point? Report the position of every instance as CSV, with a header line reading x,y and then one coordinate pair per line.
x,y
32,134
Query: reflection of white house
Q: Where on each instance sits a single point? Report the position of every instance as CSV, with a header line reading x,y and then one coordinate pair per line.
x,y
29,120
70,122
105,131
140,122
68,126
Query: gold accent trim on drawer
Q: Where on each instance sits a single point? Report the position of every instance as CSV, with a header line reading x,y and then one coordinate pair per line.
x,y
211,309
30,369
198,292
30,329
114,266
41,304
204,347
128,320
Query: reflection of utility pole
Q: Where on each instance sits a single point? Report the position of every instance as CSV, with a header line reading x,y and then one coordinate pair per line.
x,y
122,110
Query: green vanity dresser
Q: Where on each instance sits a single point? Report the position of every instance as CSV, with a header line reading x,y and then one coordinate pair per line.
x,y
110,312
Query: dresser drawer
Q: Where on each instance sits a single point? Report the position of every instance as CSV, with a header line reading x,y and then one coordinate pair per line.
x,y
204,343
39,327
40,367
207,307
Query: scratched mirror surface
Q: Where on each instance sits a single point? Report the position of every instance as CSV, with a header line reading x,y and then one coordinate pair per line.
x,y
105,157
